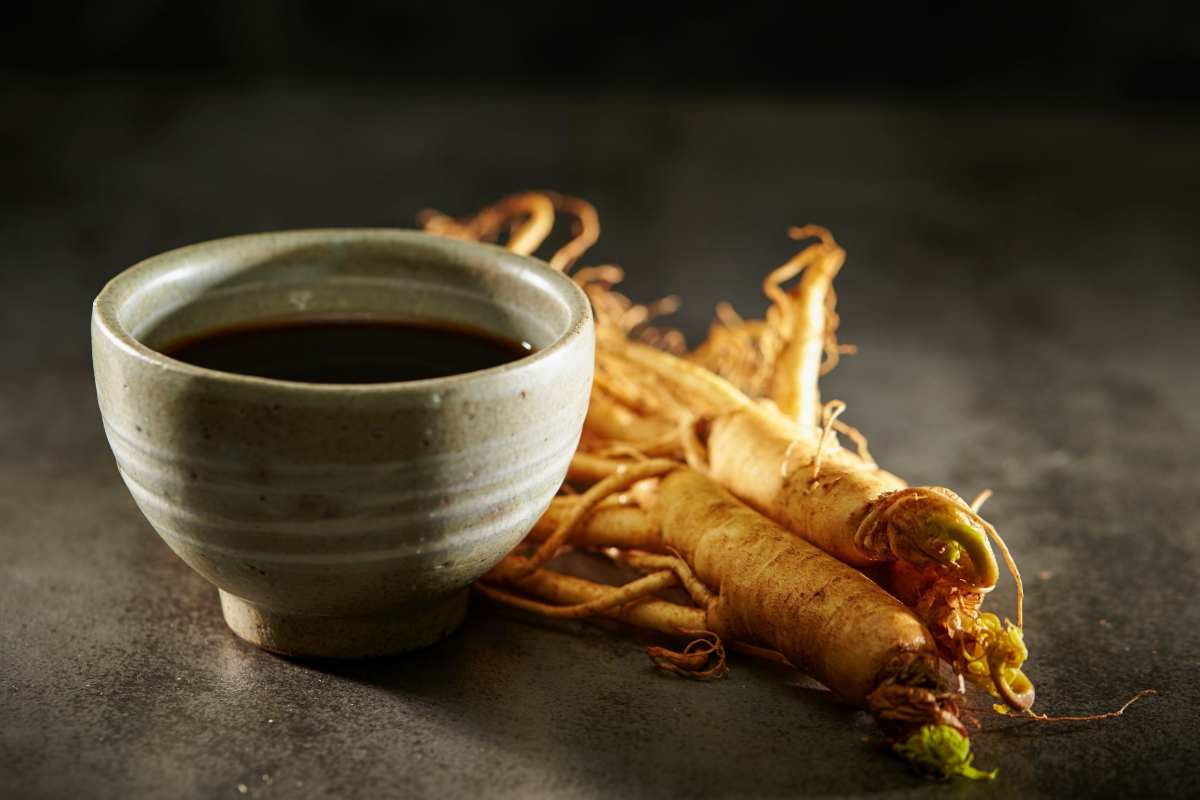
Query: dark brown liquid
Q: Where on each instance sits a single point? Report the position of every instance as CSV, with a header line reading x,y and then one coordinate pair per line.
x,y
347,351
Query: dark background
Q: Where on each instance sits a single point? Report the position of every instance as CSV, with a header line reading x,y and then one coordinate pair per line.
x,y
362,113
1079,54
1016,187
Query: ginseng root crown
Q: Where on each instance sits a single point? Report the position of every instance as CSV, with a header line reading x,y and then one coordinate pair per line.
x,y
940,752
919,714
927,525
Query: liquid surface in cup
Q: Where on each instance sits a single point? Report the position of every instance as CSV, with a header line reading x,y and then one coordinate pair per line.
x,y
347,351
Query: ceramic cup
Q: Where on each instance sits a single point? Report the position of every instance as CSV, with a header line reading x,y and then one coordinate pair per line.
x,y
341,519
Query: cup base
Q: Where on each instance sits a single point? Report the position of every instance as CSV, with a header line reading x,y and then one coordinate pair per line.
x,y
395,631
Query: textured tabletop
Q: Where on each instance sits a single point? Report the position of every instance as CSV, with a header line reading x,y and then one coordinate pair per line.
x,y
1024,289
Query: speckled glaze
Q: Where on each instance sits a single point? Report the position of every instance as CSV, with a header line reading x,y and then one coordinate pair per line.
x,y
341,520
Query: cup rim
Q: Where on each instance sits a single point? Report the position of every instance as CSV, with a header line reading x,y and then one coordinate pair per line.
x,y
107,303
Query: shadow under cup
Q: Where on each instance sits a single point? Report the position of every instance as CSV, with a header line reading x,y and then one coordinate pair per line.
x,y
341,519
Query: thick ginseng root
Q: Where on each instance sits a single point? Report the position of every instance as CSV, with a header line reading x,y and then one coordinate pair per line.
x,y
849,508
759,585
808,483
823,616
781,592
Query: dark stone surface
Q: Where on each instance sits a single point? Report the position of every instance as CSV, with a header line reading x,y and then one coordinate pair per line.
x,y
1024,289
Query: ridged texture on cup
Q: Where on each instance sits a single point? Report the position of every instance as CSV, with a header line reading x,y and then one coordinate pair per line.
x,y
341,500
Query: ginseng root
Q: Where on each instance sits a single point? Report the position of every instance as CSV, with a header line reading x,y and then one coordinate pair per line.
x,y
760,586
528,218
782,356
802,477
842,502
775,454
744,408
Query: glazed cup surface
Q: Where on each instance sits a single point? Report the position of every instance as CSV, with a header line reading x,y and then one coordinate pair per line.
x,y
341,519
